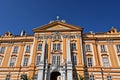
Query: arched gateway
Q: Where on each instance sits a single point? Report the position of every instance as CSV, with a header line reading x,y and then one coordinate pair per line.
x,y
55,75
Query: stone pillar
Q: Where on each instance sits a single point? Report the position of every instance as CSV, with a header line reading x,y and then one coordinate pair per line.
x,y
41,65
69,62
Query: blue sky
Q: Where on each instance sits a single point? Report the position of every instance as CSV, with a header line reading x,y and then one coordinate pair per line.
x,y
92,15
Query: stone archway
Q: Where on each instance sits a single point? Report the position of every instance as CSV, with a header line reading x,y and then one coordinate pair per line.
x,y
55,75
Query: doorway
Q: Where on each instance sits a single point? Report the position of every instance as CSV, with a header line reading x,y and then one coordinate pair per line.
x,y
54,75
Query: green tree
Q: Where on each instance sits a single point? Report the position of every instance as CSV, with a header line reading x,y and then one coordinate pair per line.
x,y
24,77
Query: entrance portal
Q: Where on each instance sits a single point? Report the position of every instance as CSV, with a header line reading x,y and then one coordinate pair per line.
x,y
54,75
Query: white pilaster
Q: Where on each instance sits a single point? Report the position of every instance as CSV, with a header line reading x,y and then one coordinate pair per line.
x,y
41,65
69,62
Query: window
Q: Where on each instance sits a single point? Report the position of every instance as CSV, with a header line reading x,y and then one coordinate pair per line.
x,y
72,36
109,78
38,59
91,77
74,59
1,60
57,37
87,47
35,76
8,77
56,59
25,63
2,50
105,62
27,49
118,48
39,47
12,61
73,46
102,48
90,62
15,50
56,46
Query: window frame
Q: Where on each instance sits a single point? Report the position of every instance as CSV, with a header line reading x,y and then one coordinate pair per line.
x,y
105,61
27,50
73,46
24,61
2,50
89,61
56,59
38,59
74,59
39,48
102,47
12,61
87,47
15,49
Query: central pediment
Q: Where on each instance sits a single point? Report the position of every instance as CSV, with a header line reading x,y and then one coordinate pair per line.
x,y
57,26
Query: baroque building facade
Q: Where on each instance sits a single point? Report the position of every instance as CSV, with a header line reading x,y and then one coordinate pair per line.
x,y
60,51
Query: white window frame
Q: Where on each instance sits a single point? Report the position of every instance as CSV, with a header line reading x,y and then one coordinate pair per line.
x,y
39,48
38,58
102,48
56,46
74,59
2,49
15,49
89,62
118,47
27,50
25,61
12,61
56,59
88,47
105,62
73,46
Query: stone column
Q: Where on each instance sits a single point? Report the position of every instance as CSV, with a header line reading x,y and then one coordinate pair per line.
x,y
41,65
69,62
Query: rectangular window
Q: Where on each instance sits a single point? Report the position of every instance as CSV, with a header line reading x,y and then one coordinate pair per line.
x,y
73,46
8,77
102,48
56,46
25,63
105,62
118,48
2,50
91,77
109,78
39,47
74,59
90,62
56,60
15,50
38,59
27,49
12,61
88,48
